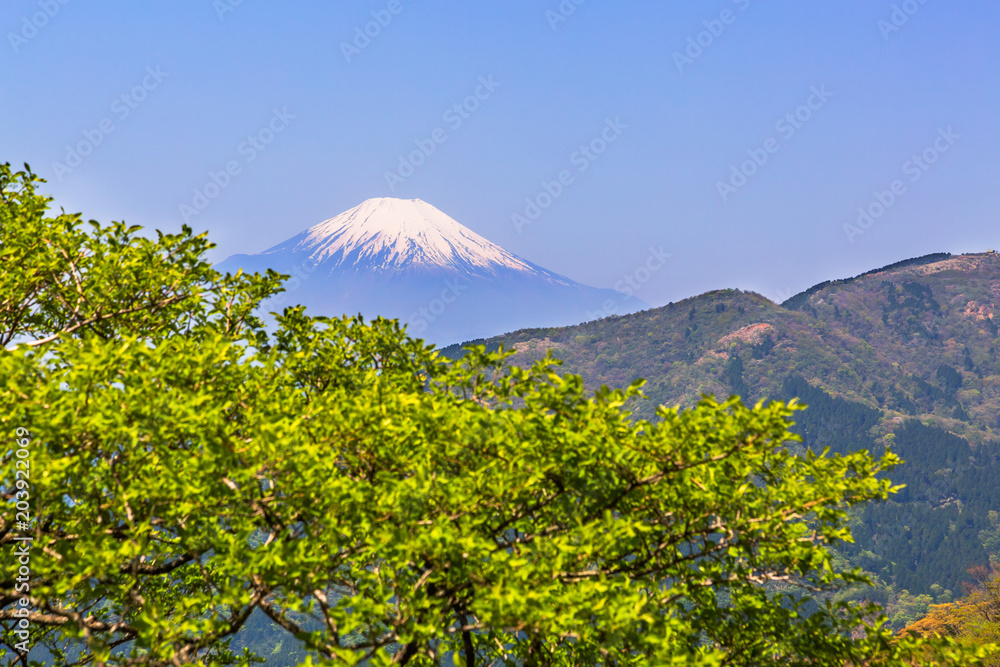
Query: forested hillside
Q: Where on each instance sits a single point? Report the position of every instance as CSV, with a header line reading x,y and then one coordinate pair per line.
x,y
902,357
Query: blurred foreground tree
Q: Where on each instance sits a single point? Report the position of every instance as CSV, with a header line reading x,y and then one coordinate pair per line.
x,y
378,503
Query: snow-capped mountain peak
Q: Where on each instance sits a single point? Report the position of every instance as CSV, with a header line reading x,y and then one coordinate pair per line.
x,y
405,259
389,235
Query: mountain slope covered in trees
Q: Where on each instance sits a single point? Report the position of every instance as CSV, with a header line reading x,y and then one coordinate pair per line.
x,y
902,357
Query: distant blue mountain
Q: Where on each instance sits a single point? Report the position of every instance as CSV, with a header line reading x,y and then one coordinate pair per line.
x,y
406,259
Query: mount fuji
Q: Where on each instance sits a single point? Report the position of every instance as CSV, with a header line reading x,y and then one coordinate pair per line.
x,y
406,259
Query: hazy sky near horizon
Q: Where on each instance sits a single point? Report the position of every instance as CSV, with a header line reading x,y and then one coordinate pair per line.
x,y
740,136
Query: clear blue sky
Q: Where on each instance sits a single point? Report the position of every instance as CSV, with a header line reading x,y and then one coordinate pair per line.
x,y
222,71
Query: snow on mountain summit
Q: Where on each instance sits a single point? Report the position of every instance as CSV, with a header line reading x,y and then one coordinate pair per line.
x,y
388,235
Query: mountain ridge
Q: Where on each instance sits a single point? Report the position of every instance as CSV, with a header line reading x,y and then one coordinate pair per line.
x,y
795,300
900,333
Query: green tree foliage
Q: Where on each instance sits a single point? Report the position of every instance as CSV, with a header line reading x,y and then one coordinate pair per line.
x,y
734,377
190,471
949,378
